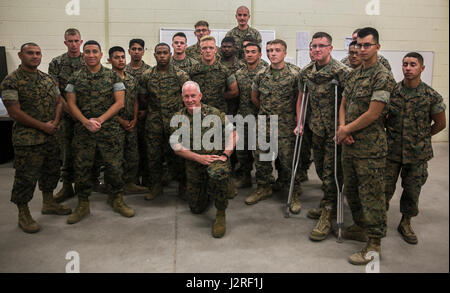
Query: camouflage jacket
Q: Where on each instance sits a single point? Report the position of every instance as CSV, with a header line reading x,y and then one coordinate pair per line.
x,y
195,53
163,90
214,81
322,94
184,64
131,94
239,35
94,93
408,125
62,67
137,73
278,96
381,59
36,94
235,65
245,78
362,87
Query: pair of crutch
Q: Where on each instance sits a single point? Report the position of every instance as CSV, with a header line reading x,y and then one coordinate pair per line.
x,y
296,157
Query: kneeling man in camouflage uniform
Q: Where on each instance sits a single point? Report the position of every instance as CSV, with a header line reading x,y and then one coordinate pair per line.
x,y
207,166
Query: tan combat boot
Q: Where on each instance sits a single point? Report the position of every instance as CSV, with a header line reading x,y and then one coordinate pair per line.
x,y
120,207
405,229
362,257
314,213
132,188
81,211
65,193
220,225
355,232
51,207
26,222
261,193
296,205
244,181
155,191
323,226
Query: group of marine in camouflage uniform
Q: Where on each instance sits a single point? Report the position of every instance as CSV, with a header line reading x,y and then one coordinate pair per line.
x,y
120,120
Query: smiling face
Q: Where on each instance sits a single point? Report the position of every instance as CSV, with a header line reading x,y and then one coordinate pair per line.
x,y
191,97
92,55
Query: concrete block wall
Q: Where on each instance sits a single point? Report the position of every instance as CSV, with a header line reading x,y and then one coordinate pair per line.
x,y
405,25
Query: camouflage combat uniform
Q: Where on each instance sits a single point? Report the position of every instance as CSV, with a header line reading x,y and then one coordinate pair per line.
x,y
184,64
408,129
381,59
214,81
140,125
94,96
61,68
278,91
130,148
36,153
206,182
322,122
239,35
163,91
364,161
244,78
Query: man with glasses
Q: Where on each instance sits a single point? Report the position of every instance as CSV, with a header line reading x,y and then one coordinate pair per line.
x,y
361,130
353,58
201,30
317,77
383,60
243,30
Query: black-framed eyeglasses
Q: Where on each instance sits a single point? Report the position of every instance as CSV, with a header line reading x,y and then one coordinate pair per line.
x,y
320,46
201,30
365,45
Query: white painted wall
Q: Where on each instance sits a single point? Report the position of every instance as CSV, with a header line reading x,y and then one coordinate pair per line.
x,y
415,25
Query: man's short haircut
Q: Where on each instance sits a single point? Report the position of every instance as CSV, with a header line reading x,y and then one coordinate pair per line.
x,y
356,31
179,34
71,32
325,35
28,44
137,41
92,42
202,23
415,55
249,39
190,82
207,38
162,45
228,40
364,32
245,7
278,41
115,49
253,45
353,43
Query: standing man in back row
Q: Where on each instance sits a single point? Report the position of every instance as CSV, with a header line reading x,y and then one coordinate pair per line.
x,y
243,30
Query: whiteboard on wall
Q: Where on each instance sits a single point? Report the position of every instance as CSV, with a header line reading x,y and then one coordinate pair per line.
x,y
394,57
165,36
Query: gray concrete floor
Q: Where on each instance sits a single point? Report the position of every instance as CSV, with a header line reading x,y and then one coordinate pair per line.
x,y
164,237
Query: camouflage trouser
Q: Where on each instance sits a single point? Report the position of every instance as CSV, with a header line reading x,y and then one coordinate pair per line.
x,y
108,144
67,172
142,148
205,183
285,154
305,152
414,177
245,156
37,163
130,156
364,190
323,149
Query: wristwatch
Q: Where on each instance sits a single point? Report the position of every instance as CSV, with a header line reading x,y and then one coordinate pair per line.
x,y
223,154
